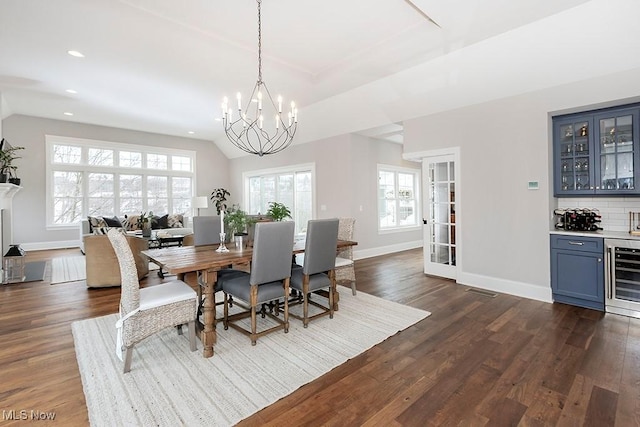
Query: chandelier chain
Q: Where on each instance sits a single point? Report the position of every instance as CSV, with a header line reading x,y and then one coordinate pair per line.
x,y
259,43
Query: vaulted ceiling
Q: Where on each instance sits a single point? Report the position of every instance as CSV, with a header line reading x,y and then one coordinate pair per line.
x,y
164,66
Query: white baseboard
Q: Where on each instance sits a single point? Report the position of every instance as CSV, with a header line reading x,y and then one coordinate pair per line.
x,y
520,289
384,250
43,246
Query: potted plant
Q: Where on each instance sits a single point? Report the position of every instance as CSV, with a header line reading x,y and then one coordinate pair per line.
x,y
7,168
144,223
278,211
219,199
237,221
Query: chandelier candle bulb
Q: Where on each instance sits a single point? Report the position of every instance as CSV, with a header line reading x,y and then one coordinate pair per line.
x,y
279,104
277,121
239,96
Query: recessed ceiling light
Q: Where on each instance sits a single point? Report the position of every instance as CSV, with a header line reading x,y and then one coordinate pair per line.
x,y
68,113
75,53
71,91
191,132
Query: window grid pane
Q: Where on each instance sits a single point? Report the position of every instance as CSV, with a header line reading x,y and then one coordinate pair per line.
x,y
293,189
397,198
85,167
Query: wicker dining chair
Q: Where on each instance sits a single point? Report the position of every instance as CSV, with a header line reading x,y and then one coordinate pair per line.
x,y
317,272
345,268
146,311
268,280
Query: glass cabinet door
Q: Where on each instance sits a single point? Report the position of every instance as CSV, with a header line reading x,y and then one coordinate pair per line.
x,y
575,165
617,151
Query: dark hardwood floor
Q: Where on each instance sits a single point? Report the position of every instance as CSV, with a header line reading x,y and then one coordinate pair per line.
x,y
475,361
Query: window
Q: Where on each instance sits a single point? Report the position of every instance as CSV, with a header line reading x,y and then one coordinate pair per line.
x,y
398,201
88,177
293,186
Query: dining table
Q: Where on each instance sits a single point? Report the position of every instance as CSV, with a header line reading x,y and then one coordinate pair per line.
x,y
207,261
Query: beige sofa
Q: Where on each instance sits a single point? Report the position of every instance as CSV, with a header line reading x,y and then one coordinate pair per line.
x,y
102,264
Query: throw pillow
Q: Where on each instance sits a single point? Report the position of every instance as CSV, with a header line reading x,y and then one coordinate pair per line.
x,y
112,222
96,222
131,222
159,222
101,230
175,221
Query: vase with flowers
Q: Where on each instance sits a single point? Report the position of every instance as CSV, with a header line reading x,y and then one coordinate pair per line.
x,y
144,223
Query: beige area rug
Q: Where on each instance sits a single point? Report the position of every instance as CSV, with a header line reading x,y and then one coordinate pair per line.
x,y
68,269
169,385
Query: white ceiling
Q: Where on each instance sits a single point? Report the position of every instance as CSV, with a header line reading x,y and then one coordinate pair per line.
x,y
164,66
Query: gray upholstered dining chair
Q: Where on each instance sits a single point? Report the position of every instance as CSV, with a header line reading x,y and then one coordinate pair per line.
x,y
317,272
146,311
345,268
206,231
268,280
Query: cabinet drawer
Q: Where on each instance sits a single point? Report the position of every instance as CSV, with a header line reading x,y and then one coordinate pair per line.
x,y
577,243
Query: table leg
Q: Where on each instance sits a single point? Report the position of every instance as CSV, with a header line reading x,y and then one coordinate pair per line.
x,y
208,334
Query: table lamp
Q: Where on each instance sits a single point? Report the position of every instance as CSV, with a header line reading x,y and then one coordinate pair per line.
x,y
200,202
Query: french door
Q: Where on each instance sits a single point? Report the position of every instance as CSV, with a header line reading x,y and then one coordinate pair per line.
x,y
440,215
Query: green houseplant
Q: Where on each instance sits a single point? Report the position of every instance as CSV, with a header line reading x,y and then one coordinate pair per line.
x,y
237,222
278,211
7,168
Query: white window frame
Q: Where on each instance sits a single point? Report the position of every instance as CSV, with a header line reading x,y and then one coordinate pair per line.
x,y
417,176
304,167
85,168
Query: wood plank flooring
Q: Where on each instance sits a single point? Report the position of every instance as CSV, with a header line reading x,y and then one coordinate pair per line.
x,y
475,361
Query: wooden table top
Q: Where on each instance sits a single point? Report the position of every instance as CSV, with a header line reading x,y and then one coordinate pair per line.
x,y
185,259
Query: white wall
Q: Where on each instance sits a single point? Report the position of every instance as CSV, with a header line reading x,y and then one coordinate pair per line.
x,y
29,203
504,144
346,178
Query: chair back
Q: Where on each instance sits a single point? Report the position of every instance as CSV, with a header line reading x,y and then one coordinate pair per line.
x,y
272,249
320,247
345,232
206,230
130,287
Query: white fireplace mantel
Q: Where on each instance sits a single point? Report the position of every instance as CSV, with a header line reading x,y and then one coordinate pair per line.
x,y
7,191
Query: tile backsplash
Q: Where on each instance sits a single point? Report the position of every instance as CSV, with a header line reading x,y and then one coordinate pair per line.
x,y
614,210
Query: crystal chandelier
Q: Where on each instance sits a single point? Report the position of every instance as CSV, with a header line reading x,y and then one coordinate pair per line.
x,y
259,128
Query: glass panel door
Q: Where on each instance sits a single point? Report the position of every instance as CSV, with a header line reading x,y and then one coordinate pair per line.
x,y
575,164
440,225
616,153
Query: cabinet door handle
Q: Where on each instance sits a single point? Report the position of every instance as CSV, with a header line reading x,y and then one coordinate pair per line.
x,y
576,243
607,272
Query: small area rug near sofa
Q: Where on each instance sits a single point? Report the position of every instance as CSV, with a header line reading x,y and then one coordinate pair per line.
x,y
169,385
68,269
74,269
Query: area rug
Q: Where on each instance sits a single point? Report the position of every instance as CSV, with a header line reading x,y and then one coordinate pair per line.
x,y
169,385
34,271
68,269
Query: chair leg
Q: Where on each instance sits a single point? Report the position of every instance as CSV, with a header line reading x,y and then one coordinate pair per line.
x,y
127,359
254,325
286,305
305,304
192,335
353,287
225,320
179,328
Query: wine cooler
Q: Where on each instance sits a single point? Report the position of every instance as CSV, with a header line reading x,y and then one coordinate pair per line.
x,y
622,277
